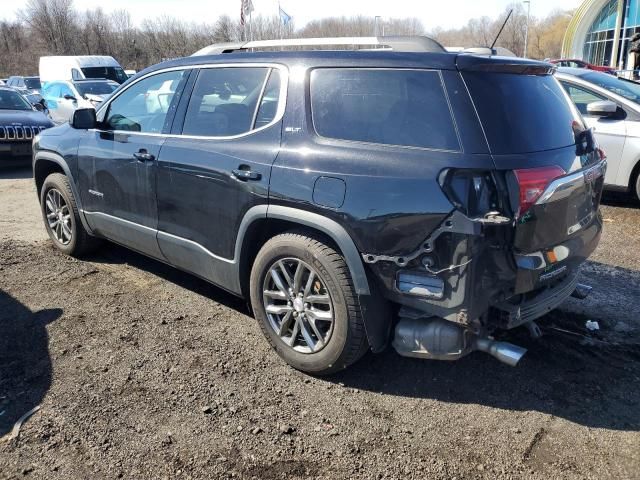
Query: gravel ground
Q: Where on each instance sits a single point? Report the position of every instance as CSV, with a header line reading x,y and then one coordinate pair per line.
x,y
142,371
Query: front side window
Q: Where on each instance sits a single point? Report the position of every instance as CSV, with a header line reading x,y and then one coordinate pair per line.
x,y
224,101
581,97
65,90
144,106
387,106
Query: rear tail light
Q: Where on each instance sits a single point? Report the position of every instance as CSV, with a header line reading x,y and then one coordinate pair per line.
x,y
533,182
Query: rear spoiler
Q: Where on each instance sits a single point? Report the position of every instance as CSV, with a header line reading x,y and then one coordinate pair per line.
x,y
495,64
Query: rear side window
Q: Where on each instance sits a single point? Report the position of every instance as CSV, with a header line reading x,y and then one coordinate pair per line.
x,y
523,113
225,101
387,106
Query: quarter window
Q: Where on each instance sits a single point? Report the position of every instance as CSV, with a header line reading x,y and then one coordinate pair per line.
x,y
145,105
227,101
395,107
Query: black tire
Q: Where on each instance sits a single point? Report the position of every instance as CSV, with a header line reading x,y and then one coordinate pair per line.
x,y
80,242
347,342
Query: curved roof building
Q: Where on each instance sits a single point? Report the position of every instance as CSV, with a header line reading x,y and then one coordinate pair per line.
x,y
600,30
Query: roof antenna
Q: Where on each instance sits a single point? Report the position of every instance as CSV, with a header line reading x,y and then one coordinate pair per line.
x,y
501,28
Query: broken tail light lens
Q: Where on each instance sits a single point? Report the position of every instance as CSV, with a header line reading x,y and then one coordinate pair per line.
x,y
533,182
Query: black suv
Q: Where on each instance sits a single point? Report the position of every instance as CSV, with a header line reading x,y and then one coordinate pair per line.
x,y
354,196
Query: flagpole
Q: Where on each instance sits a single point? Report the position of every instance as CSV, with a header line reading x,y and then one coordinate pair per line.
x,y
279,21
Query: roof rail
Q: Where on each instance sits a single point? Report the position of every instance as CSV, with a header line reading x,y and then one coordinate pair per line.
x,y
397,43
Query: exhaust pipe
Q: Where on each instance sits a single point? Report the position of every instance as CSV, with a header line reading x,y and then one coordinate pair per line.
x,y
504,351
438,339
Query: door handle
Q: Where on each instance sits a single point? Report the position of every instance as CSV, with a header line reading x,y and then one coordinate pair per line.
x,y
143,156
245,175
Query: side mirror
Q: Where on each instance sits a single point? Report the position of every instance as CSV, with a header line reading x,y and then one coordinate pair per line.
x,y
69,97
602,108
38,106
84,119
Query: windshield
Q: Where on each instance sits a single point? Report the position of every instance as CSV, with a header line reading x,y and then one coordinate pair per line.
x,y
32,83
619,86
523,113
13,101
95,88
110,73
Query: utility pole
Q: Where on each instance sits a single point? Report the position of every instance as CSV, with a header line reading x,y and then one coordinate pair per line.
x,y
526,30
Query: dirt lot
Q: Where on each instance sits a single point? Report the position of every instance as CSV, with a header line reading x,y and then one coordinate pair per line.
x,y
145,372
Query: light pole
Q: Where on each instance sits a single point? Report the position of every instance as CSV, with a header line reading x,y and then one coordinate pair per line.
x,y
377,18
526,30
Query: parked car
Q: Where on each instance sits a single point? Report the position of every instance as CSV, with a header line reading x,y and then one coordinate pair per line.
x,y
130,73
574,63
63,98
80,67
611,106
353,197
25,84
20,122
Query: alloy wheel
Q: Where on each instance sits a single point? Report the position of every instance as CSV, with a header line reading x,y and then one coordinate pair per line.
x,y
298,305
58,216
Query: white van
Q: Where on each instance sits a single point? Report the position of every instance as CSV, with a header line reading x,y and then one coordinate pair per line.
x,y
80,67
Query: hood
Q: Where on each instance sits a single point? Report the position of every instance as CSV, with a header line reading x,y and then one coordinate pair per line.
x,y
23,117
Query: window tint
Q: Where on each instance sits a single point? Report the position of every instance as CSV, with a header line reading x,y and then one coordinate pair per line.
x,y
224,101
143,107
523,113
581,97
269,103
395,107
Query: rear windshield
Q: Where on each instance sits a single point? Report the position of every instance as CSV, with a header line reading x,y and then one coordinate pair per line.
x,y
110,73
95,88
387,106
523,113
33,83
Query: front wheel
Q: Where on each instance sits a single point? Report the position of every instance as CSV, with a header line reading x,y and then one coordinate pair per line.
x,y
303,297
62,219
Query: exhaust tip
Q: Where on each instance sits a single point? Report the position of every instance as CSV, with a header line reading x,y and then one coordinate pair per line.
x,y
504,351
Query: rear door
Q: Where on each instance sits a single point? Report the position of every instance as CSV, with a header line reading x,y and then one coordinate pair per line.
x,y
611,133
217,163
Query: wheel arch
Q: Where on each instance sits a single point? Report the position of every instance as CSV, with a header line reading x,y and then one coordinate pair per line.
x,y
46,163
633,179
262,223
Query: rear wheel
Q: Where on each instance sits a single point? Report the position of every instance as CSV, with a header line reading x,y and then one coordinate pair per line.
x,y
637,187
62,219
303,297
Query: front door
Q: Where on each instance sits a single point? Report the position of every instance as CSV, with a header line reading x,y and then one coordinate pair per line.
x,y
117,163
217,165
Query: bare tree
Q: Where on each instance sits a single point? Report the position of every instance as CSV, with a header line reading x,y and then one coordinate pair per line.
x,y
55,27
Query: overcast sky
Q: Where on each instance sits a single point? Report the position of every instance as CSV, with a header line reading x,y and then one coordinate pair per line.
x,y
433,13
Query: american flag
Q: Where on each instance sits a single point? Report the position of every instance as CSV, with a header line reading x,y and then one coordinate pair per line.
x,y
246,7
